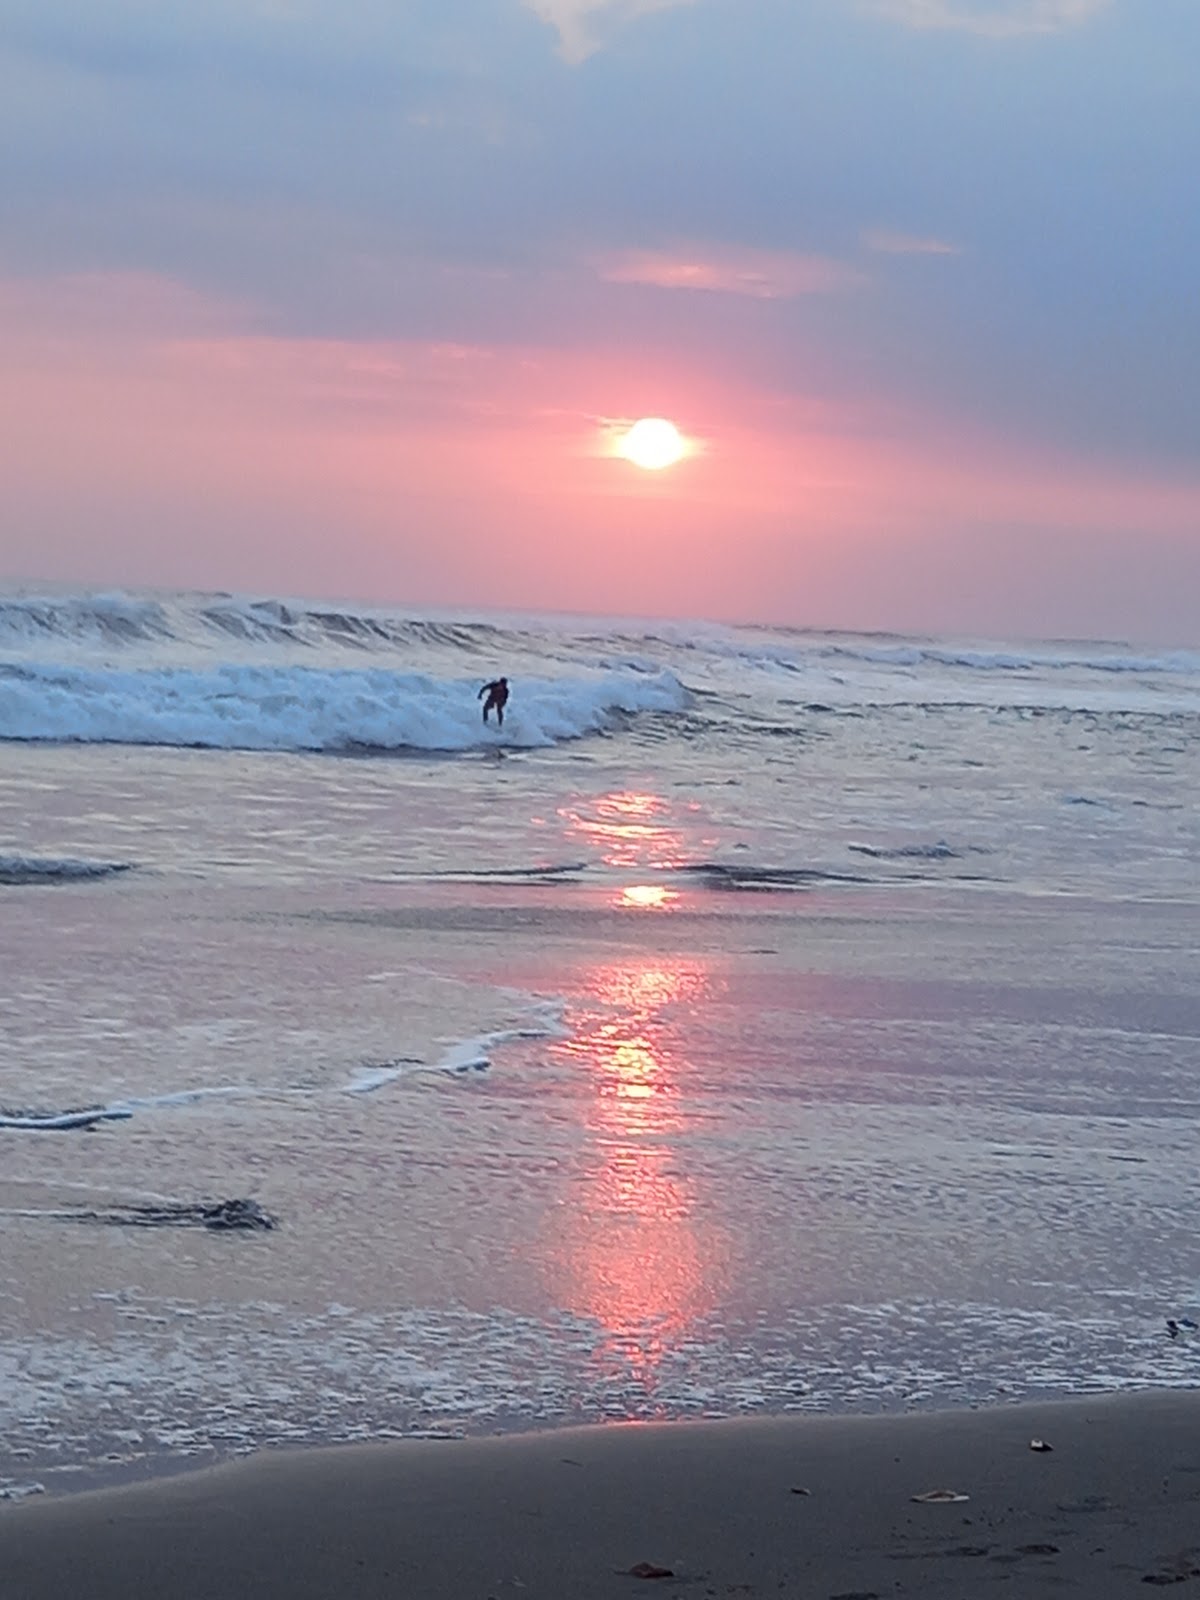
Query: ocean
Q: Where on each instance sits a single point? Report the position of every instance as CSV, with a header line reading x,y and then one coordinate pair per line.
x,y
761,1020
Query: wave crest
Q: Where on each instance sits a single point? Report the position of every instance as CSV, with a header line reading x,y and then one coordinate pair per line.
x,y
117,619
301,708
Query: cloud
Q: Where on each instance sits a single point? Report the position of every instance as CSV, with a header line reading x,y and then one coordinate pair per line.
x,y
888,242
992,19
757,274
583,26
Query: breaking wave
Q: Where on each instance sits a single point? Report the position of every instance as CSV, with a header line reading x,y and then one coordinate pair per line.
x,y
252,707
218,638
115,619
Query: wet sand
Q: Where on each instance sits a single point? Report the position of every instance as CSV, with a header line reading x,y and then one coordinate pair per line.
x,y
805,1507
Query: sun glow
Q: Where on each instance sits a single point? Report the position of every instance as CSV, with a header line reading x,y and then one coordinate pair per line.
x,y
652,443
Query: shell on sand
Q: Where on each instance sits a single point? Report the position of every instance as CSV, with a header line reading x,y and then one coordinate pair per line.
x,y
940,1497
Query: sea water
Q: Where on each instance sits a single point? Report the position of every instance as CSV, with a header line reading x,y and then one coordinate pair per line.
x,y
758,1020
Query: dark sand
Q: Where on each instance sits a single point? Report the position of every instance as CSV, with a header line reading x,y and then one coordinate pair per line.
x,y
1112,1509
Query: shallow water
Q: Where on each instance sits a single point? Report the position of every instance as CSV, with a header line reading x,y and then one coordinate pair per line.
x,y
726,1059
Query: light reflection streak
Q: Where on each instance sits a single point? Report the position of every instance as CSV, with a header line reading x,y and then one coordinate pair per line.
x,y
634,1254
630,829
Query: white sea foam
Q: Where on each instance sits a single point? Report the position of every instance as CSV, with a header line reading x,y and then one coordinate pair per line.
x,y
252,707
544,1021
237,1383
11,1490
539,1019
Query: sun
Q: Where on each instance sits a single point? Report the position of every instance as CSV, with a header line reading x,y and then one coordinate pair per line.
x,y
652,443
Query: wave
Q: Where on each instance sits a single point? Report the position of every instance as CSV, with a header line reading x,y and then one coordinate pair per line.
x,y
779,650
251,707
718,875
99,618
224,670
940,851
464,1055
51,869
744,876
550,873
915,653
267,621
115,619
119,619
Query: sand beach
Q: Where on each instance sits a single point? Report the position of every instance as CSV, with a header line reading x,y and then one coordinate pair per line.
x,y
812,1508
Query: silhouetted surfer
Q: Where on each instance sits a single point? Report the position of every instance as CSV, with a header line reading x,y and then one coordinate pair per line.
x,y
497,695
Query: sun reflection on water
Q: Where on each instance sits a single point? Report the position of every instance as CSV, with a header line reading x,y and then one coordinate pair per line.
x,y
647,896
630,828
636,1254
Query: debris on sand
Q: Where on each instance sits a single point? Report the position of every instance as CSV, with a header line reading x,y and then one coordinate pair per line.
x,y
940,1497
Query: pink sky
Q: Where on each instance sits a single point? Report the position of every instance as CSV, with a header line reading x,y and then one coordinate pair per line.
x,y
345,299
154,439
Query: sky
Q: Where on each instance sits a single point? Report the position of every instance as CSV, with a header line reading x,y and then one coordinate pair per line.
x,y
354,298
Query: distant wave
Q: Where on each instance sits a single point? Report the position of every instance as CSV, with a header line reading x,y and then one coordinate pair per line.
x,y
299,708
1078,658
106,618
793,650
116,620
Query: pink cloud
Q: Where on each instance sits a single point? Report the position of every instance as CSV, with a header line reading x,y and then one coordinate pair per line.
x,y
759,274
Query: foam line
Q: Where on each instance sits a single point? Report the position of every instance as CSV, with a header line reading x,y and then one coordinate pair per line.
x,y
285,707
